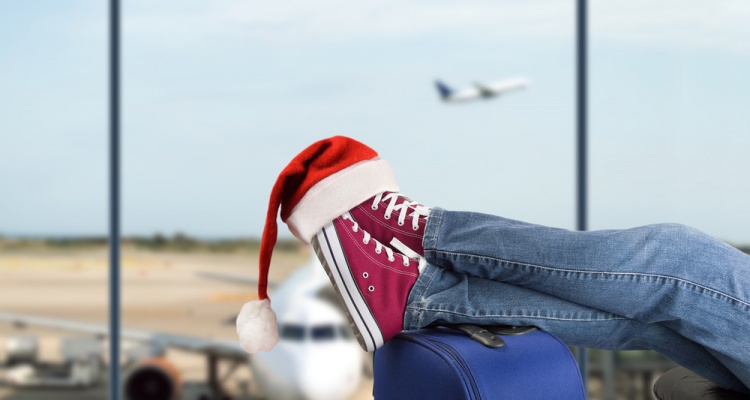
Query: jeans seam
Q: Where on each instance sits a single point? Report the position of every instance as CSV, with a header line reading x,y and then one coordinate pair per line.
x,y
418,291
590,273
421,309
431,230
426,286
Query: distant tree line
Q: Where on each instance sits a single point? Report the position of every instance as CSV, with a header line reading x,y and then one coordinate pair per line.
x,y
159,242
180,241
183,242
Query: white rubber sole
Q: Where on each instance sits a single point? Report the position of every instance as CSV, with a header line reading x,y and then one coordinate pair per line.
x,y
328,248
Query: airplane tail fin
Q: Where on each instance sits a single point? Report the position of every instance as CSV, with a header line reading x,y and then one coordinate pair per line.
x,y
444,90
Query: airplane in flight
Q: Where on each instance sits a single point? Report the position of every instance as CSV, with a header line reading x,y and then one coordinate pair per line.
x,y
317,356
480,91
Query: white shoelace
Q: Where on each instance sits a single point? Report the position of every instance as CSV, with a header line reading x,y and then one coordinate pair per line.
x,y
418,210
379,247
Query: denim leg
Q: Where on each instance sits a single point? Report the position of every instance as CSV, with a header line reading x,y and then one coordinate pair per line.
x,y
450,297
667,275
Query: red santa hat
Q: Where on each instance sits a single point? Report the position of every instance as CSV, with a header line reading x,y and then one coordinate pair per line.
x,y
325,180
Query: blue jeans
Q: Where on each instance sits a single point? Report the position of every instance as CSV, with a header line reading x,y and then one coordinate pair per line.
x,y
667,288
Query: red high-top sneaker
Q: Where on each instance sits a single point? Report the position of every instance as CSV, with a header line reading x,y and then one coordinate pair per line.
x,y
395,219
322,182
372,280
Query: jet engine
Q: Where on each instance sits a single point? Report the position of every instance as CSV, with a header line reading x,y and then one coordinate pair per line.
x,y
152,379
21,350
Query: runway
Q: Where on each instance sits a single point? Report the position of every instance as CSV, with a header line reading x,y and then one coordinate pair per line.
x,y
160,292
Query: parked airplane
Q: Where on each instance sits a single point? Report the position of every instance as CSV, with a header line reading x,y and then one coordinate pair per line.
x,y
317,356
480,91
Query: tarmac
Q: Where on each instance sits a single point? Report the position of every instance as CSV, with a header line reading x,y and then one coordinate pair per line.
x,y
160,292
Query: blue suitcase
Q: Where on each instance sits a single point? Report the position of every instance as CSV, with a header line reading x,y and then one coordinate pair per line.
x,y
441,363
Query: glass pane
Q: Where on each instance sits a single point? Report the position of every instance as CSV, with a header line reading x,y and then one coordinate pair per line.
x,y
53,195
669,130
220,96
323,333
292,332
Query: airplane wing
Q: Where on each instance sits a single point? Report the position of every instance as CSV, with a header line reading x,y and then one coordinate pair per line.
x,y
244,280
220,348
506,85
486,91
238,279
465,95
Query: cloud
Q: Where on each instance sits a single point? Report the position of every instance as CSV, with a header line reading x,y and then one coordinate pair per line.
x,y
294,23
717,24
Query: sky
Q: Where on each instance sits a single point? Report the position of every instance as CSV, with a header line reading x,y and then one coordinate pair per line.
x,y
219,95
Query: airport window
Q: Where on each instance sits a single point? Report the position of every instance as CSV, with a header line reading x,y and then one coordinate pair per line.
x,y
218,96
323,333
668,129
668,94
53,190
214,103
292,332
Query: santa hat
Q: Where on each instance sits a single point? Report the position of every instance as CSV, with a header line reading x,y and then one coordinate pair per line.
x,y
322,182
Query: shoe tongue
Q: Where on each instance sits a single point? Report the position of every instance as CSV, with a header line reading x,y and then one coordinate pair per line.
x,y
404,249
420,209
401,198
423,211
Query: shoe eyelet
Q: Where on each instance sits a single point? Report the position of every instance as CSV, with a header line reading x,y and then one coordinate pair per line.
x,y
378,251
415,227
391,259
365,241
371,288
400,223
374,207
406,263
387,216
365,275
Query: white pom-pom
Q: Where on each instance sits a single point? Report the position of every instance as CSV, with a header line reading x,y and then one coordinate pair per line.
x,y
256,326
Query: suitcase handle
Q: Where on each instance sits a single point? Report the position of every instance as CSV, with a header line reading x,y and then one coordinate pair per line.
x,y
489,335
507,330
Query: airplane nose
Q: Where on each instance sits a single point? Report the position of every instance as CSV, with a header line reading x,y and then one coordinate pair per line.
x,y
332,380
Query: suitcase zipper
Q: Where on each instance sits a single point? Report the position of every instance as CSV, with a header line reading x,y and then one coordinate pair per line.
x,y
458,359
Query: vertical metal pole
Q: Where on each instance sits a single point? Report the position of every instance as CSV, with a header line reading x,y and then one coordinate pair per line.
x,y
608,376
114,200
581,120
581,134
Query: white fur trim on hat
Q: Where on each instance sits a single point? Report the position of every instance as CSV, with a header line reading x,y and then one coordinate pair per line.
x,y
338,194
257,327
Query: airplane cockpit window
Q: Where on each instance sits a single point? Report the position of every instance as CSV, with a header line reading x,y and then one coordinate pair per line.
x,y
317,333
292,332
323,332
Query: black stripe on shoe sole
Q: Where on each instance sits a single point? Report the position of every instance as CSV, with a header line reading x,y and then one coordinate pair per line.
x,y
368,334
